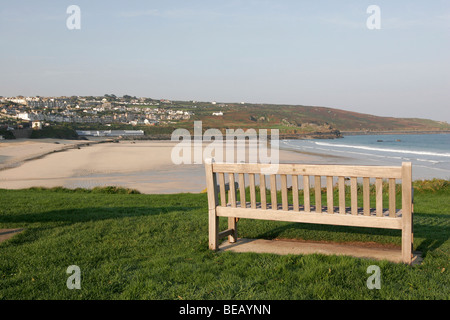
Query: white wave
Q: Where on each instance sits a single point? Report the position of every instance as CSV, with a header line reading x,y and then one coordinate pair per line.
x,y
427,160
427,153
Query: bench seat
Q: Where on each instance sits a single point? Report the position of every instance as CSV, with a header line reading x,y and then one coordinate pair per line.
x,y
360,212
324,217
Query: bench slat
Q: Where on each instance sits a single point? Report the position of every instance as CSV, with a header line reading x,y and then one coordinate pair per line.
x,y
359,211
273,191
232,192
318,193
354,195
251,178
308,217
284,193
379,196
341,195
366,196
330,204
306,194
242,189
295,192
320,170
262,189
392,204
223,197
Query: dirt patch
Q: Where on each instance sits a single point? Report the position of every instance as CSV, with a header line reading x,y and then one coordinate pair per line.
x,y
6,234
298,247
350,243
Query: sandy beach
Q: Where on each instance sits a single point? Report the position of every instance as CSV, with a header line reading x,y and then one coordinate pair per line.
x,y
15,152
143,165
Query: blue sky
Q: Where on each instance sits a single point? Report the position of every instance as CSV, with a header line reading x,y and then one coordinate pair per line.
x,y
275,51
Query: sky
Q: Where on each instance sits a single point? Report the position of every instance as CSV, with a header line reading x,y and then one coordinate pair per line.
x,y
318,53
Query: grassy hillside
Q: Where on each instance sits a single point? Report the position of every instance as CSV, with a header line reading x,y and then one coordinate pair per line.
x,y
300,119
135,246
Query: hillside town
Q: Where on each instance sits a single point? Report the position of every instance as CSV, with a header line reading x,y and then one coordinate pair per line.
x,y
104,110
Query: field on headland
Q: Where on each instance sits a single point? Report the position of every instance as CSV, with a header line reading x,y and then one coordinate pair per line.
x,y
301,120
137,246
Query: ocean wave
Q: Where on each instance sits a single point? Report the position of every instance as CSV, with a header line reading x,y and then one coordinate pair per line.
x,y
418,152
428,160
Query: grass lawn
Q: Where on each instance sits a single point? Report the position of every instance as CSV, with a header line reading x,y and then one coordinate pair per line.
x,y
135,246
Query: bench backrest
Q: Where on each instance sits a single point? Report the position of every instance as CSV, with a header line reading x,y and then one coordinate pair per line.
x,y
313,177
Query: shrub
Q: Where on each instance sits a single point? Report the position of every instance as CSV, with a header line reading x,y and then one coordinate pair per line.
x,y
57,132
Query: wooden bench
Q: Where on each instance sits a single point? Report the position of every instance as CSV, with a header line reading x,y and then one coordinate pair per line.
x,y
388,215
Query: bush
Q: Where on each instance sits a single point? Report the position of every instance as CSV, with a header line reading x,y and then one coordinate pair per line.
x,y
7,134
57,132
106,190
114,190
432,185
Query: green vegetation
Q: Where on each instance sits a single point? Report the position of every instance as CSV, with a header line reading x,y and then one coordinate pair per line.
x,y
56,131
135,246
7,134
433,185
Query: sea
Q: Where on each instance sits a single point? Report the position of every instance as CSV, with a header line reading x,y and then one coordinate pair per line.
x,y
428,153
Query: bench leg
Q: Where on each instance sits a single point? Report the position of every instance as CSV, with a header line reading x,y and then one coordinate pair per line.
x,y
232,224
407,244
407,213
213,230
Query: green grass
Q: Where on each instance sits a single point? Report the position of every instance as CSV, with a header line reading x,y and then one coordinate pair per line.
x,y
135,246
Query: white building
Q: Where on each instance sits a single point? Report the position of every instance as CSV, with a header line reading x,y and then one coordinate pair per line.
x,y
18,100
36,125
24,116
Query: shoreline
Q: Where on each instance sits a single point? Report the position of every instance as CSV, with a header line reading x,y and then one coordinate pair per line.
x,y
402,132
142,165
335,134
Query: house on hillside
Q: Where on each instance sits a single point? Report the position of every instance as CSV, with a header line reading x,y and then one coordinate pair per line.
x,y
36,125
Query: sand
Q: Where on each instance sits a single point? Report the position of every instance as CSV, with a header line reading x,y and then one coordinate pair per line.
x,y
14,152
143,165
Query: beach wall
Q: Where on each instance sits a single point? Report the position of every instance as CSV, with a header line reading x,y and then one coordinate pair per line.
x,y
22,133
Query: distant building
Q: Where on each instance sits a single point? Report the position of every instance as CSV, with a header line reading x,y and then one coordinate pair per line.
x,y
110,133
220,113
36,125
24,116
150,122
18,100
